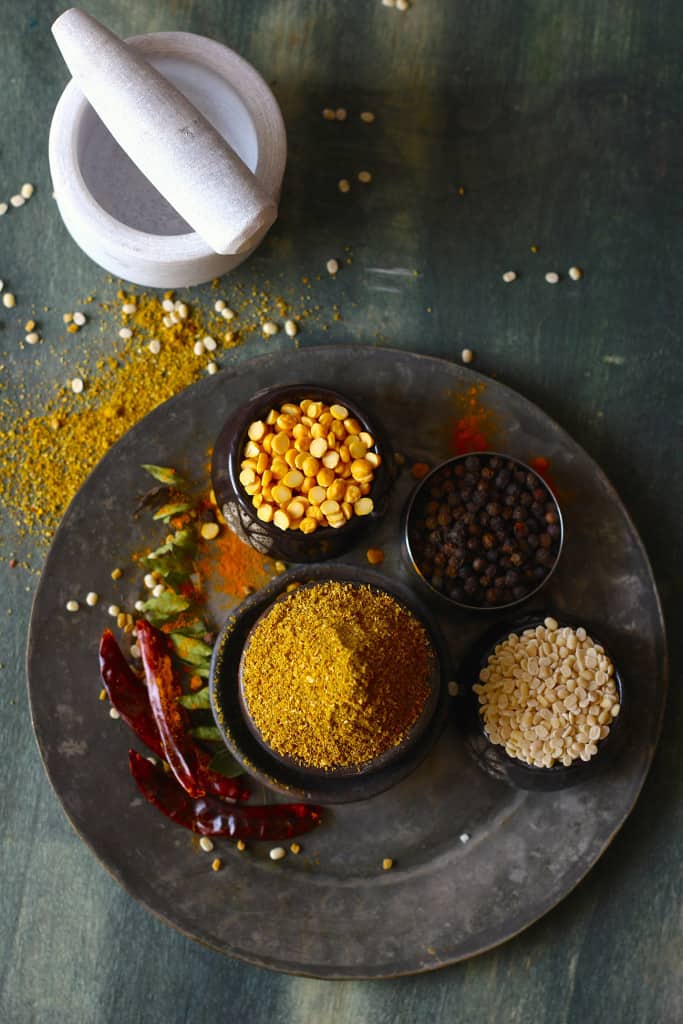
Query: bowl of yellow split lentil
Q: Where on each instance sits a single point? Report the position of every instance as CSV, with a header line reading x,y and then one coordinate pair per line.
x,y
545,702
301,473
330,683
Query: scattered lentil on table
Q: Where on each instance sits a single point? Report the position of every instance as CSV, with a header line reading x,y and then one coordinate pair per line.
x,y
51,439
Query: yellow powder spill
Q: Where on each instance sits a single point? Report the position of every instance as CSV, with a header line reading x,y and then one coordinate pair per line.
x,y
50,445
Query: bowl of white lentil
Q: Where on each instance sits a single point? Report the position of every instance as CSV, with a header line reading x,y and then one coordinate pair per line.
x,y
301,472
544,702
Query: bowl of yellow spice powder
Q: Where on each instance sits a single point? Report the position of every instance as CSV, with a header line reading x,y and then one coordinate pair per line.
x,y
301,472
330,683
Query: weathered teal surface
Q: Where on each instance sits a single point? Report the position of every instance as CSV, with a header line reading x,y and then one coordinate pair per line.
x,y
563,123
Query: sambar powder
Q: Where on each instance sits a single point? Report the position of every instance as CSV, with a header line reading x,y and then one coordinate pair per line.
x,y
336,674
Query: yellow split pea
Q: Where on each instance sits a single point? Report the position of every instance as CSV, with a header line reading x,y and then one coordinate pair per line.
x,y
309,465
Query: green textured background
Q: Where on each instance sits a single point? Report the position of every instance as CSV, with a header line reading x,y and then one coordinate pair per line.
x,y
563,122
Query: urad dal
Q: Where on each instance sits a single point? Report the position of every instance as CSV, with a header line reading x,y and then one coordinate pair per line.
x,y
548,696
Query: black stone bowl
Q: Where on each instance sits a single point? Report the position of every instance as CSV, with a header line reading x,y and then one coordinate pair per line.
x,y
282,774
409,528
235,504
491,757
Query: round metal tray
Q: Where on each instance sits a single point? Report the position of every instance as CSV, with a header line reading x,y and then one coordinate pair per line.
x,y
332,912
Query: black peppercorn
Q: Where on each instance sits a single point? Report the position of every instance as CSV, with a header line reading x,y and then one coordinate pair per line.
x,y
487,531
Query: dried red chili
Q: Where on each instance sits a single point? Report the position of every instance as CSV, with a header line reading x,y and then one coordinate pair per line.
x,y
209,817
130,697
127,693
164,689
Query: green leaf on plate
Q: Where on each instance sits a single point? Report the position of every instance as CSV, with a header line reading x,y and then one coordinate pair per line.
x,y
165,607
174,508
206,732
174,558
191,650
193,629
182,542
165,475
225,764
198,699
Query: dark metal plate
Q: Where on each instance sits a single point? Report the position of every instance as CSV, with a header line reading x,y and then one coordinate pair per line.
x,y
332,912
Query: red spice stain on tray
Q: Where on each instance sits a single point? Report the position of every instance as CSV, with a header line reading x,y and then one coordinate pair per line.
x,y
476,426
477,429
231,567
542,466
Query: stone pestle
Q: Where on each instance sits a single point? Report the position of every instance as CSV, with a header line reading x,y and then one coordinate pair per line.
x,y
168,139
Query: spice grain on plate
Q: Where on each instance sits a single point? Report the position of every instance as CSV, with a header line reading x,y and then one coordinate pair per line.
x,y
336,674
548,695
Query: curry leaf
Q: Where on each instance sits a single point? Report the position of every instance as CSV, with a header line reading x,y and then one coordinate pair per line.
x,y
165,607
191,650
174,559
206,732
153,499
225,764
165,475
199,699
172,509
193,629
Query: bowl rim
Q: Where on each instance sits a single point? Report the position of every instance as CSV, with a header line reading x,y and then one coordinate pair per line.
x,y
325,787
483,648
410,509
72,107
267,396
386,757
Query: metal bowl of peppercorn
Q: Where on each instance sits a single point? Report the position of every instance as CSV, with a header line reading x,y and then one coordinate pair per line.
x,y
296,487
483,531
531,715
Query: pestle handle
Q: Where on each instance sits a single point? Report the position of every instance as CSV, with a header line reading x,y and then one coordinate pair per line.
x,y
171,142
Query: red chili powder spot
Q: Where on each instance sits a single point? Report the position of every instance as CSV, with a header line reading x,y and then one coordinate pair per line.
x,y
476,426
467,435
542,467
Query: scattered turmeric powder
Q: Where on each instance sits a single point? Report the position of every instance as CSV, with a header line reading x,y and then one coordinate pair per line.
x,y
50,442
